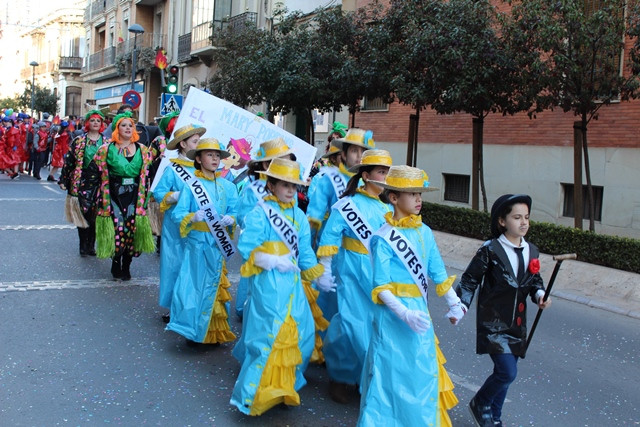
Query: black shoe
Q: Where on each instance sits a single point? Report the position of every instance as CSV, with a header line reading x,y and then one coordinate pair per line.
x,y
497,423
116,269
91,252
50,178
166,318
481,414
83,254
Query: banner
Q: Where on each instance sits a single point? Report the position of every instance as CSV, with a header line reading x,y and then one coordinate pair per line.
x,y
225,121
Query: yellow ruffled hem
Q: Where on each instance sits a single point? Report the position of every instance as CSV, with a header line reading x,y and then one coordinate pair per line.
x,y
446,398
185,224
327,250
312,273
279,374
319,321
442,288
218,330
164,204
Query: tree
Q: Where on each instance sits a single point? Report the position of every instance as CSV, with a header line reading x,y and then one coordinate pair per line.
x,y
14,103
580,45
409,55
44,99
477,73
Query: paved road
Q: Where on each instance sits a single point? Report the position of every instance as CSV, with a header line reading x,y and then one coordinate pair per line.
x,y
80,349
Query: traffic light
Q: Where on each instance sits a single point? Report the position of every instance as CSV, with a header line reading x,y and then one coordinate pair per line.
x,y
172,81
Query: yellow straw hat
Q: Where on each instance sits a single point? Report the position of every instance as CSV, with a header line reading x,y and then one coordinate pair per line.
x,y
285,170
208,144
406,179
183,133
356,136
270,150
331,151
373,158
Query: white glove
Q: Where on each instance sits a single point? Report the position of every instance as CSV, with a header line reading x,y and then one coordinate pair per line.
x,y
451,297
227,220
456,311
285,265
198,216
172,198
417,320
325,282
265,261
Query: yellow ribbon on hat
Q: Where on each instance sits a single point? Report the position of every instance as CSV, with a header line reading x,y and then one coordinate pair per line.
x,y
276,151
401,182
376,160
285,171
209,144
184,130
353,137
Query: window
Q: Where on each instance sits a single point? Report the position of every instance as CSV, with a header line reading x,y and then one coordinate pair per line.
x,y
456,187
375,104
568,208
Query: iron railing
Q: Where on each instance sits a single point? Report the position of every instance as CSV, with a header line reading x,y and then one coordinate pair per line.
x,y
70,63
184,47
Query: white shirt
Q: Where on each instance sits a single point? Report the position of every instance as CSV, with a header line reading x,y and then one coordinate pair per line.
x,y
511,253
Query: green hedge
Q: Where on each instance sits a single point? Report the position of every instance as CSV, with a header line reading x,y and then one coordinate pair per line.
x,y
609,251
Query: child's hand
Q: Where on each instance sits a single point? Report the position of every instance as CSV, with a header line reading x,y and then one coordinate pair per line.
x,y
417,320
456,313
198,216
227,221
172,198
543,304
265,261
325,282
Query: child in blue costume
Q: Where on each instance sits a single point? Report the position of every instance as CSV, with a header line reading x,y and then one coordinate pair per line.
x,y
278,328
347,339
167,191
404,382
327,191
506,271
249,199
198,306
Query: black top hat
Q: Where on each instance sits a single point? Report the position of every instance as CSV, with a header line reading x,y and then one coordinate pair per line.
x,y
503,203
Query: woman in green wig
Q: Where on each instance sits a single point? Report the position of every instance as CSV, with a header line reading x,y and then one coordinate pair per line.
x,y
126,168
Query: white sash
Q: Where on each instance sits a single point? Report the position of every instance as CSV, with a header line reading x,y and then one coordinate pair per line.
x,y
283,227
204,202
337,180
355,220
259,188
408,255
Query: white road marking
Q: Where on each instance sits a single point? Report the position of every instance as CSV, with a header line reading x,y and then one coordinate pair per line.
x,y
37,227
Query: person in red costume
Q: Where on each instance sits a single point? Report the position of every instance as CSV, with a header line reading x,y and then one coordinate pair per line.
x,y
11,140
60,148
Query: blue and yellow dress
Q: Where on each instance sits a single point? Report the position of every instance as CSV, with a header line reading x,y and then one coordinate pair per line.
x,y
201,291
321,197
172,244
349,333
278,327
404,382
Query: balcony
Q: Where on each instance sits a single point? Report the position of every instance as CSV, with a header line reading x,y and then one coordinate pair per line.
x,y
240,22
152,40
184,48
70,63
104,58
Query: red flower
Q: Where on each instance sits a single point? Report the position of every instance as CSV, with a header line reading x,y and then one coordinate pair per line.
x,y
534,266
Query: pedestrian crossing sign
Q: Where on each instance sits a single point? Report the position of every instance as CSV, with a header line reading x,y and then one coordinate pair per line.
x,y
170,103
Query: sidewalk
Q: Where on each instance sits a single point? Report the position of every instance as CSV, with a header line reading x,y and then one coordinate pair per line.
x,y
596,286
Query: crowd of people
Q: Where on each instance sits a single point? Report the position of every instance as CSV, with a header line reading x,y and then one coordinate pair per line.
x,y
342,281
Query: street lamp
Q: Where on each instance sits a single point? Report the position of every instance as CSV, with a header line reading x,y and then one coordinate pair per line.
x,y
135,29
34,64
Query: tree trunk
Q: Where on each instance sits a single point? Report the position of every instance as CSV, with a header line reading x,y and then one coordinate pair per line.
x,y
577,175
310,130
587,172
476,163
412,143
